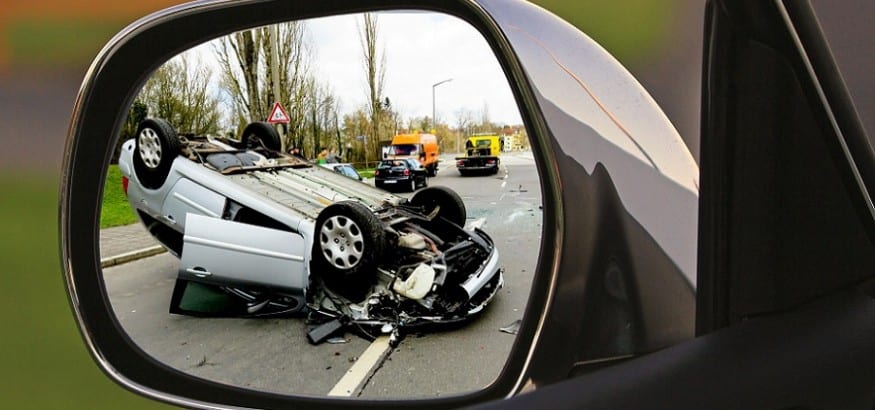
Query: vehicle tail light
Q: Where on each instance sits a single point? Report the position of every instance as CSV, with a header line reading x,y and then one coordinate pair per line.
x,y
491,162
460,163
125,184
406,172
377,172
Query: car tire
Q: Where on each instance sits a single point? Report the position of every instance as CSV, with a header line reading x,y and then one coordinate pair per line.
x,y
412,184
258,134
156,146
432,170
425,182
452,208
349,243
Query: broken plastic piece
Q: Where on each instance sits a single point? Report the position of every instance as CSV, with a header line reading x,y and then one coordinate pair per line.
x,y
319,333
418,284
512,328
412,241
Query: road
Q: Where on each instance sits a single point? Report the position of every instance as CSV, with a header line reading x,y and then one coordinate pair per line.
x,y
274,355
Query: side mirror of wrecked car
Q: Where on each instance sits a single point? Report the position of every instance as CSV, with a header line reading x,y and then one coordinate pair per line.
x,y
601,149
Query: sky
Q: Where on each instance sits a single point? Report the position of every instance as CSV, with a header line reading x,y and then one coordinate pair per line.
x,y
422,49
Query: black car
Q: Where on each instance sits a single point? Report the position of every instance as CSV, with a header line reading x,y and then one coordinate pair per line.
x,y
401,174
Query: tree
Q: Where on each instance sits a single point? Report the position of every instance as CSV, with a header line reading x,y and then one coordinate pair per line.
x,y
179,92
375,68
323,119
247,74
138,112
464,121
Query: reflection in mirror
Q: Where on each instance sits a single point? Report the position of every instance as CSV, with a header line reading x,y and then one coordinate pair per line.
x,y
338,206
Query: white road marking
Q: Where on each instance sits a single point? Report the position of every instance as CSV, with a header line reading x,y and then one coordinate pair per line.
x,y
362,369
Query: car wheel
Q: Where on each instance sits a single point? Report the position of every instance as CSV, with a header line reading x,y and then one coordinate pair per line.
x,y
432,170
156,146
447,202
258,134
412,184
425,182
349,243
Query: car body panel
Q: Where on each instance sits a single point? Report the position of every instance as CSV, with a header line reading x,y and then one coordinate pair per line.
x,y
228,253
188,196
628,185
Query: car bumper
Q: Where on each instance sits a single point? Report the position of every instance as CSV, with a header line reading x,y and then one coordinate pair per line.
x,y
391,182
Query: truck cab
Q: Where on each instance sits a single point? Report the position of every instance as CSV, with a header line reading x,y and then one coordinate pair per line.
x,y
419,146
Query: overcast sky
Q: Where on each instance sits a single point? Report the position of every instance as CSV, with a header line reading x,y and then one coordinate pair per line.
x,y
422,48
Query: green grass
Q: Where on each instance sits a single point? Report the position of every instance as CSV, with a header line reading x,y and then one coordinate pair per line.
x,y
44,360
116,211
366,172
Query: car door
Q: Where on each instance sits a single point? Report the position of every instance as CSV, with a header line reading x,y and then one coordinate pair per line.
x,y
228,253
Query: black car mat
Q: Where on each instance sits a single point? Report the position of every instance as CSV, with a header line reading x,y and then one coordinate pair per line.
x,y
196,299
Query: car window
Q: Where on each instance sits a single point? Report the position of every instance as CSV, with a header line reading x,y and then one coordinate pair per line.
x,y
349,171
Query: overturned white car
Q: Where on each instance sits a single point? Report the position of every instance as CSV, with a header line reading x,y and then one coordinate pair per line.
x,y
271,234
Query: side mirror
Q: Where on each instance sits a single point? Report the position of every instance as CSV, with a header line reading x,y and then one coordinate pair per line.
x,y
610,274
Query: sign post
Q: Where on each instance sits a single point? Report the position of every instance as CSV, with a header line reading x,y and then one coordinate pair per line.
x,y
278,115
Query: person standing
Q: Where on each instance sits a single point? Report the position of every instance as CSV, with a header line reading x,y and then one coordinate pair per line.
x,y
332,157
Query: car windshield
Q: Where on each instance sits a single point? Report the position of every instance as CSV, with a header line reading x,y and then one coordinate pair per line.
x,y
404,149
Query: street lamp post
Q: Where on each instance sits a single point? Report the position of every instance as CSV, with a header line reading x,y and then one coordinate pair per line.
x,y
433,111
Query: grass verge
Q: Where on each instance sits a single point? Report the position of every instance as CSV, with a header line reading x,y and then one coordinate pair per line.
x,y
116,211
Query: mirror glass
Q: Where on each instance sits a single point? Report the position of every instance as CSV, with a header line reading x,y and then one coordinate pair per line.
x,y
342,206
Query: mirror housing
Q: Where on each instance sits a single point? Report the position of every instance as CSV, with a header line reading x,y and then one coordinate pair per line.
x,y
602,147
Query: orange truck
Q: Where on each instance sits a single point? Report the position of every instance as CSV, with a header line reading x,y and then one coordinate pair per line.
x,y
419,146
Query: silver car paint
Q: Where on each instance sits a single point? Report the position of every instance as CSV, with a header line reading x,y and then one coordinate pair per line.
x,y
600,114
233,253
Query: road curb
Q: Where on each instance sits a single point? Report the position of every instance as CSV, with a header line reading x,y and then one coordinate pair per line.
x,y
131,256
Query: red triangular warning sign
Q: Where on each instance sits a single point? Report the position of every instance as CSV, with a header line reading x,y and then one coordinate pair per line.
x,y
278,115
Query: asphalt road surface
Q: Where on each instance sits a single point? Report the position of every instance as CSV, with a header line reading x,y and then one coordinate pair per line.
x,y
274,355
